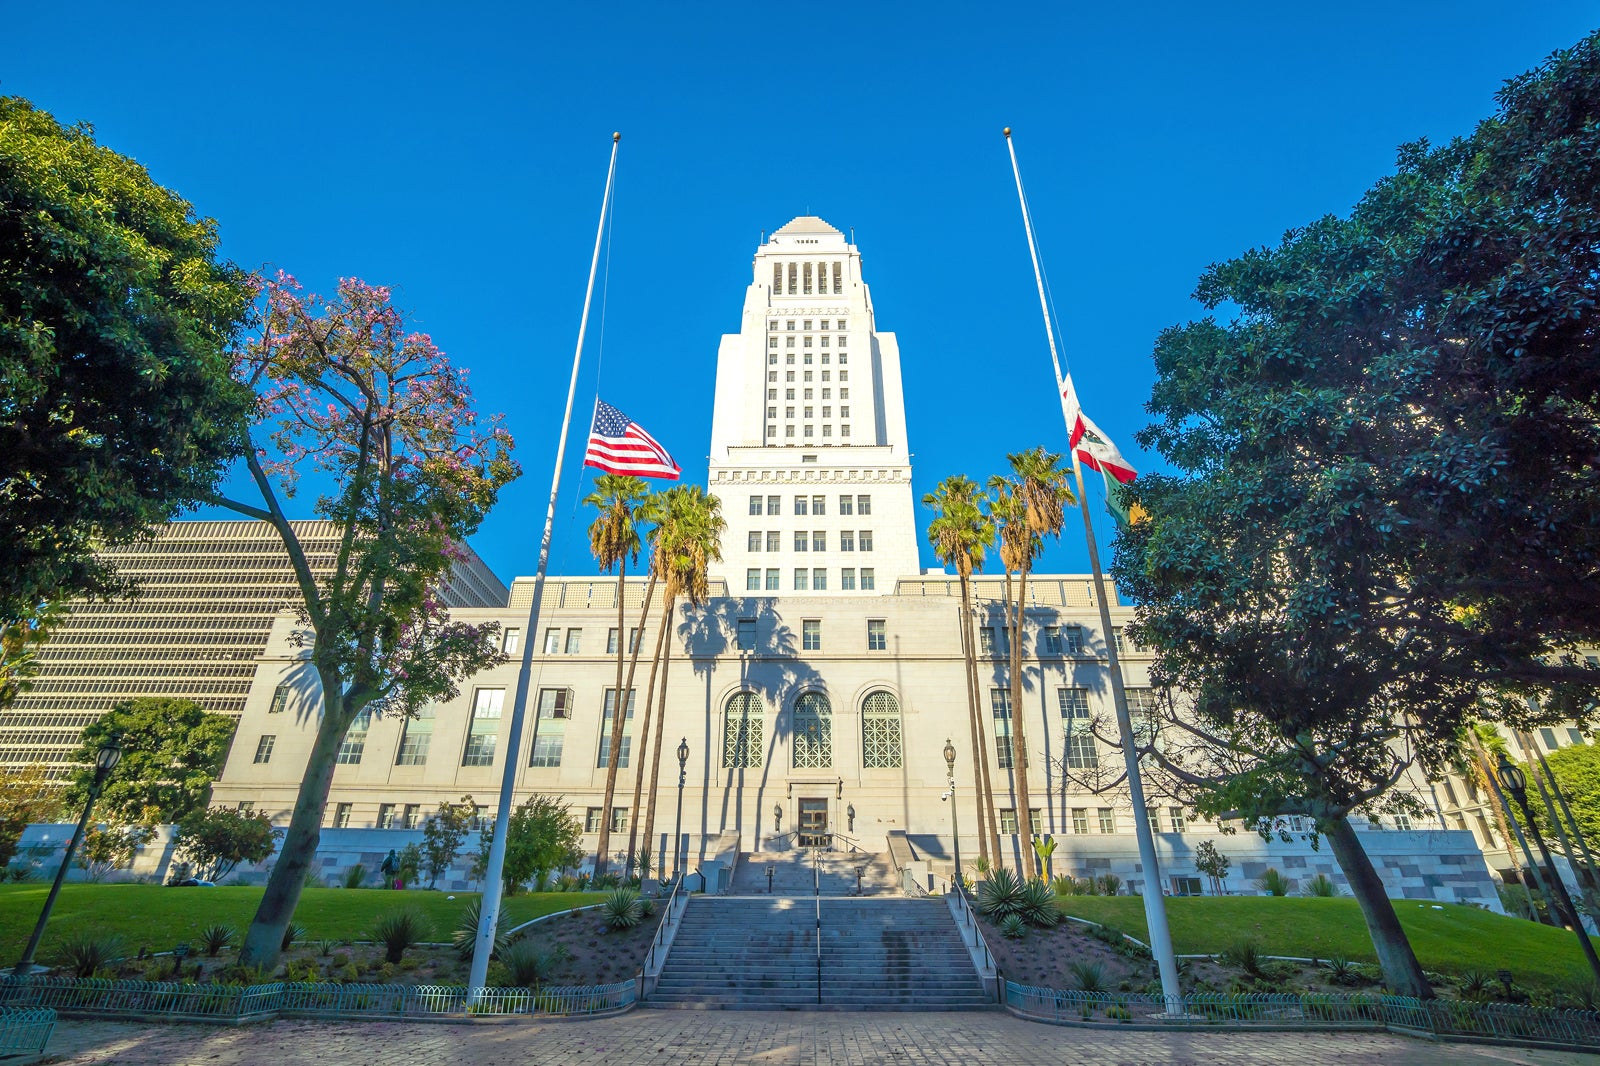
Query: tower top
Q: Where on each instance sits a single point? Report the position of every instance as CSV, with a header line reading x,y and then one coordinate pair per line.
x,y
805,225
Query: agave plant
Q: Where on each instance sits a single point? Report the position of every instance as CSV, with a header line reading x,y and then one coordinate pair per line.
x,y
1038,906
292,932
1089,976
399,930
465,936
623,908
215,937
1000,897
86,953
1321,885
527,965
1013,927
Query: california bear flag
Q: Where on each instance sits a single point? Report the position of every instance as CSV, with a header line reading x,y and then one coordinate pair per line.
x,y
1094,448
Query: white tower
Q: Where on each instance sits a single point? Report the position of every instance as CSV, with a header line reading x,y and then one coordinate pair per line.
x,y
808,431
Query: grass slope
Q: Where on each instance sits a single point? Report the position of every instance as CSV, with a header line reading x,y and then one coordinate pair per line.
x,y
1452,940
159,917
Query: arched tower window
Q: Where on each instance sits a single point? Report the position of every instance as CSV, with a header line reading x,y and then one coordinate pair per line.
x,y
881,746
742,732
813,732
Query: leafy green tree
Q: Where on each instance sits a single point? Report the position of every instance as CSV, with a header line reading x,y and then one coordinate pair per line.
x,y
20,639
614,539
1213,863
117,409
108,848
1577,772
442,835
348,391
27,797
218,839
1384,522
542,832
172,749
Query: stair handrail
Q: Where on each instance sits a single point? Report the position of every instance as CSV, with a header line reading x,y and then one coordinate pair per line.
x,y
969,922
668,923
853,845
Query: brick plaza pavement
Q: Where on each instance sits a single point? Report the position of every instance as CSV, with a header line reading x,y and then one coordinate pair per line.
x,y
716,1038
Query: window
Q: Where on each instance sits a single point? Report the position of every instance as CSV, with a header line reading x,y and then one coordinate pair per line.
x,y
1142,709
819,505
752,543
512,643
844,412
819,580
772,342
752,579
607,717
801,503
864,540
1176,819
264,748
747,634
385,816
550,727
1108,820
1072,639
484,730
1401,821
863,503
1080,743
341,816
788,431
846,505
986,640
881,747
1154,815
1186,886
774,540
280,699
868,578
1575,735
811,635
808,431
415,740
847,579
844,431
877,636
1008,821
819,540
574,641
774,505
1050,642
813,730
801,540
619,819
591,820
844,375
1550,741
611,641
847,540
355,740
408,819
788,375
1000,704
552,641
555,703
1116,636
772,579
802,579
547,745
742,731
1080,820
755,505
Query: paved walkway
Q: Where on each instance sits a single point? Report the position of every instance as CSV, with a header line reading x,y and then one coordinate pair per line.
x,y
693,1038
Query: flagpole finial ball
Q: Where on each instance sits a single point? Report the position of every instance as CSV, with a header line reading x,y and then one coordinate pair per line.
x,y
1008,131
615,137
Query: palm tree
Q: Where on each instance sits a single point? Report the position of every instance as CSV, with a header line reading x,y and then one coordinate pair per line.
x,y
688,542
961,533
614,538
1029,504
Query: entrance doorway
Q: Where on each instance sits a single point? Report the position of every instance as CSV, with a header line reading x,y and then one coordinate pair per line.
x,y
814,824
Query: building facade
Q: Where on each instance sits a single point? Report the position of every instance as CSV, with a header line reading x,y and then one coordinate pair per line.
x,y
207,594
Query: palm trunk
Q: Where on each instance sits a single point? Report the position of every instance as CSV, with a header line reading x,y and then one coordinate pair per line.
x,y
988,834
619,718
1019,746
263,942
661,721
1401,970
644,739
644,724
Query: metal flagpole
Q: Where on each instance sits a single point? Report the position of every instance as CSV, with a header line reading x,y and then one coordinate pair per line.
x,y
1155,906
489,907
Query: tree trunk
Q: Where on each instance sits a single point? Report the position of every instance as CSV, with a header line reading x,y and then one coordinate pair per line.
x,y
263,942
972,725
661,722
1401,971
619,718
988,818
1019,744
644,723
634,820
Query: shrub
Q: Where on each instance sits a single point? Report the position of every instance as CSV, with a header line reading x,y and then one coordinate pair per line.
x,y
400,930
354,876
1088,976
19,872
1245,954
1012,927
292,932
302,971
1474,984
1107,885
1038,906
566,883
1321,885
1341,971
1000,897
465,936
1119,1014
348,974
609,879
1273,882
526,965
622,908
215,937
85,953
1064,885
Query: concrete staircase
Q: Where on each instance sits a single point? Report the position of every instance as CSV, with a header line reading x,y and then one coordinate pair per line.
x,y
792,873
746,953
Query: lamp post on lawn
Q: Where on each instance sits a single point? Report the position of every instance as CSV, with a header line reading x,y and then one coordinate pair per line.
x,y
1516,783
955,824
677,840
105,760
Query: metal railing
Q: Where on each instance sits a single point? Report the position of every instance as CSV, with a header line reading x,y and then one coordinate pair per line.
x,y
207,1002
27,1031
652,964
967,923
1505,1021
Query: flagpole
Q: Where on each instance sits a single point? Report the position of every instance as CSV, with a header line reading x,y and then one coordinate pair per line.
x,y
489,907
1155,905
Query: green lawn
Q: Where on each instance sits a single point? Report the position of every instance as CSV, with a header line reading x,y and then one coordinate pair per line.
x,y
1452,940
158,917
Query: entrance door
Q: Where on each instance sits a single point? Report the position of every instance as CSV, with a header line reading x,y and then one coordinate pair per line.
x,y
814,823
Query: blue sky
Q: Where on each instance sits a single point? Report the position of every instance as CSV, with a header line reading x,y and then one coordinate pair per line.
x,y
458,152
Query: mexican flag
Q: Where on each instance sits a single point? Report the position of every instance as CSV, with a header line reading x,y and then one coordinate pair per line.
x,y
1094,448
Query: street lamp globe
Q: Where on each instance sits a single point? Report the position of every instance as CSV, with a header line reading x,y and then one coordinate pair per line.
x,y
1512,779
110,753
683,752
950,755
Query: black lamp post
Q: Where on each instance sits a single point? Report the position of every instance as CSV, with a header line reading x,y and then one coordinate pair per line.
x,y
1514,781
105,760
955,824
683,776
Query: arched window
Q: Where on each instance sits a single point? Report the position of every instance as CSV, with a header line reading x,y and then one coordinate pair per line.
x,y
881,747
742,731
813,732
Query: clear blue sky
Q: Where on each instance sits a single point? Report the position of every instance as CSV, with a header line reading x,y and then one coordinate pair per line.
x,y
457,153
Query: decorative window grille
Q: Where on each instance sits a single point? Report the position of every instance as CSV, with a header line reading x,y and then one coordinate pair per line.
x,y
881,744
813,732
742,731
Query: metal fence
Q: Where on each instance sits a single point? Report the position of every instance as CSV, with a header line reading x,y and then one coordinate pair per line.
x,y
1576,1028
230,1003
25,1032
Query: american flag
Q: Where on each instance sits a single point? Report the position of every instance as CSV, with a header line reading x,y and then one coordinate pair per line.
x,y
619,445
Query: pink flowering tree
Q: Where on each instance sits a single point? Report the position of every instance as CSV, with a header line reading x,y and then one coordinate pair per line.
x,y
382,422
